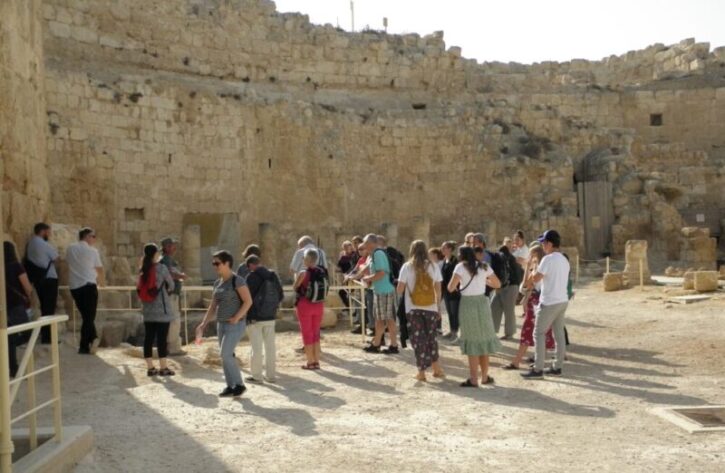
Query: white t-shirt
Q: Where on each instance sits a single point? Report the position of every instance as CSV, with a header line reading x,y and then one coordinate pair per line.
x,y
555,269
522,252
83,260
407,276
478,285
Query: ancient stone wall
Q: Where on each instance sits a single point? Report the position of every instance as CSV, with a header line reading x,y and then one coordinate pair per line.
x,y
23,174
157,110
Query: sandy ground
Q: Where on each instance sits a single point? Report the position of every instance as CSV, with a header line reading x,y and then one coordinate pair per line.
x,y
631,352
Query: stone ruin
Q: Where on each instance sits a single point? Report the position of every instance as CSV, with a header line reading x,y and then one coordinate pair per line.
x,y
227,123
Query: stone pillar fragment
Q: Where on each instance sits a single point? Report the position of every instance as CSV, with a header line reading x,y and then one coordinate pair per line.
x,y
191,253
635,253
268,241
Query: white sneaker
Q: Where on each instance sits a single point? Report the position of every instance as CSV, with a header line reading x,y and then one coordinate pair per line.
x,y
94,346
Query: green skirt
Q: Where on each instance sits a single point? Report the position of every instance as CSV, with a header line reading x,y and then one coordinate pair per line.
x,y
478,337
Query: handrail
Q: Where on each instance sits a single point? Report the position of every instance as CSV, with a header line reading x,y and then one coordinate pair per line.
x,y
352,286
28,373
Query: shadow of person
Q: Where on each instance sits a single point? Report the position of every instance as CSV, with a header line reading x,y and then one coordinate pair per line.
x,y
191,395
358,383
305,392
359,367
300,422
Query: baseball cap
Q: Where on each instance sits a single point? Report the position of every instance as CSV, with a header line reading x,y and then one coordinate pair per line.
x,y
552,236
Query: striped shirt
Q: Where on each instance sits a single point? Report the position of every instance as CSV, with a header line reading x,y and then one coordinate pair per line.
x,y
228,301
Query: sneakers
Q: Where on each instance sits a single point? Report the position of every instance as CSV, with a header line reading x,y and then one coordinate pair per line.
x,y
357,330
552,372
391,350
236,391
94,346
533,374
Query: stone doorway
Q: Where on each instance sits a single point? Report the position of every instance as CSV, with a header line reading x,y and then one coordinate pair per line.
x,y
597,216
215,232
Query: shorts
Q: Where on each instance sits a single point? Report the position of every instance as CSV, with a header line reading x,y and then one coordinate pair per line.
x,y
385,306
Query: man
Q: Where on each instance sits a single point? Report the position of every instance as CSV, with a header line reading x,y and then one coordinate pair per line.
x,y
345,264
85,272
250,250
384,296
267,293
396,260
504,299
553,272
493,259
41,265
357,274
303,244
520,250
168,250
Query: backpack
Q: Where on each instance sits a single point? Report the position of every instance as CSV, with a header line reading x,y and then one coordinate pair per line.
x,y
423,293
514,269
500,267
268,298
148,291
318,285
35,273
396,260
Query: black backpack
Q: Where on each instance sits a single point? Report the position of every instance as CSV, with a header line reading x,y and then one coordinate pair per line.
x,y
35,273
318,286
500,267
516,272
268,298
396,260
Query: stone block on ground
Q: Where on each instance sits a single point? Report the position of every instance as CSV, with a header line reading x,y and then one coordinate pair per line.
x,y
113,333
722,272
688,280
613,282
706,281
329,319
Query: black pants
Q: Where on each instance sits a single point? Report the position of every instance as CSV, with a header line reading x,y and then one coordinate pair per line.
x,y
86,299
344,297
47,291
156,332
16,316
403,322
452,309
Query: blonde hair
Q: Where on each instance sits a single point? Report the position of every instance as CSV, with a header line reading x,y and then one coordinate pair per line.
x,y
418,255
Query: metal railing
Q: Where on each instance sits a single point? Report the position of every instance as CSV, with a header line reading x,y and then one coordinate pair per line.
x,y
355,290
27,372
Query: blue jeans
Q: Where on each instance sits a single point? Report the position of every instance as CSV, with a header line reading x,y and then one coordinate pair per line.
x,y
229,337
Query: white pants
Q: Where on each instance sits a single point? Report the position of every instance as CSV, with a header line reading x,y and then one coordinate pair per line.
x,y
262,337
174,338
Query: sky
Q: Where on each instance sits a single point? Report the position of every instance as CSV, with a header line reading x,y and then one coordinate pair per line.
x,y
529,31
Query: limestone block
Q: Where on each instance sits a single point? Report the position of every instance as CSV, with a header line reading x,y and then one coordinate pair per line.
x,y
113,333
705,281
613,282
722,272
688,281
635,254
329,319
692,232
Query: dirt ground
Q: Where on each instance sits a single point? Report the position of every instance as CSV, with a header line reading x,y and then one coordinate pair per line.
x,y
630,352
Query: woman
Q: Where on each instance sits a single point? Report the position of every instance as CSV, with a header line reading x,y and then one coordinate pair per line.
x,y
420,282
527,329
17,294
478,339
451,299
309,313
360,271
154,284
230,304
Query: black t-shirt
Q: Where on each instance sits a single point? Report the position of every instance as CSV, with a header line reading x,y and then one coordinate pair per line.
x,y
14,292
447,273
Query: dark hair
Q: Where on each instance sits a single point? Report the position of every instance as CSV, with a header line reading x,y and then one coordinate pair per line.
x,y
11,256
437,252
149,251
85,231
520,234
225,257
505,250
468,257
251,250
252,259
40,227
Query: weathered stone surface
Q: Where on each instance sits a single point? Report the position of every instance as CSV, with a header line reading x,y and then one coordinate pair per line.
x,y
113,333
613,282
688,281
329,319
706,281
636,263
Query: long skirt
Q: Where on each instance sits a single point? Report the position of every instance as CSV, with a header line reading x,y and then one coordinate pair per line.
x,y
478,337
422,329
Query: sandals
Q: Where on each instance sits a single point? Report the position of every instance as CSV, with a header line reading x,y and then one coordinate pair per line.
x,y
440,375
489,380
311,366
510,367
468,384
166,372
152,372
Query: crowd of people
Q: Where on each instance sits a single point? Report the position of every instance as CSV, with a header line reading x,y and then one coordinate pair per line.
x,y
404,299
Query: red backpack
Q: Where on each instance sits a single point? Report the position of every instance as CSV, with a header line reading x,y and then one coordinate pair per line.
x,y
147,290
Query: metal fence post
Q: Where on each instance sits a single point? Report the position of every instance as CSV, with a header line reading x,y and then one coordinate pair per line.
x,y
55,358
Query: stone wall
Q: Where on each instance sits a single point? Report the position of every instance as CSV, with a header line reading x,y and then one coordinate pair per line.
x,y
23,173
161,110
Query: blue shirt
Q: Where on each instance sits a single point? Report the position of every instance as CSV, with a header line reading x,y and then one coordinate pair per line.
x,y
42,255
381,262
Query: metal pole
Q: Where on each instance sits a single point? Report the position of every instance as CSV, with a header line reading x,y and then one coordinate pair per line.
x,y
6,441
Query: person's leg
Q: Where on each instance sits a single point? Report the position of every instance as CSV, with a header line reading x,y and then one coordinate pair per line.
x,y
12,354
509,309
76,294
544,318
370,309
393,332
317,352
230,334
316,325
92,307
174,340
415,323
254,330
519,355
48,296
559,335
483,362
473,369
400,316
162,343
432,342
497,310
270,349
391,309
454,320
84,301
148,343
379,331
